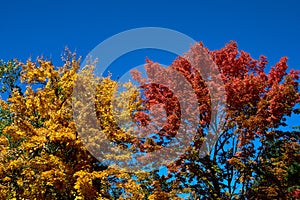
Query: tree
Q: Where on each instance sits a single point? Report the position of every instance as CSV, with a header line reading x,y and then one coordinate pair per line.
x,y
256,106
278,167
43,156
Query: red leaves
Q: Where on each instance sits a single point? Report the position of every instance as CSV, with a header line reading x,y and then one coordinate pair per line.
x,y
256,102
296,193
157,94
278,71
294,74
142,118
250,92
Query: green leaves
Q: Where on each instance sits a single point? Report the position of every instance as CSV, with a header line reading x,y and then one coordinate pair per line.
x,y
9,74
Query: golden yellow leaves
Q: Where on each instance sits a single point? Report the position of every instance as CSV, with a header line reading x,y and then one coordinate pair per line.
x,y
44,157
158,195
100,111
4,143
15,164
2,175
116,108
40,174
3,191
14,132
38,72
95,185
132,190
63,135
34,143
41,125
54,177
3,105
84,184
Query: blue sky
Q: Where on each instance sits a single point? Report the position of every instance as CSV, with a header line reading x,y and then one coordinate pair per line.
x,y
32,28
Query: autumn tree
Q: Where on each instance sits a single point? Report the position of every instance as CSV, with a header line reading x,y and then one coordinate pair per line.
x,y
48,151
256,106
42,156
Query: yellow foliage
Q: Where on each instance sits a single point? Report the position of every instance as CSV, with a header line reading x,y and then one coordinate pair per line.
x,y
42,156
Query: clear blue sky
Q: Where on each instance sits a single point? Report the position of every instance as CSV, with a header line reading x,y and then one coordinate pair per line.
x,y
33,28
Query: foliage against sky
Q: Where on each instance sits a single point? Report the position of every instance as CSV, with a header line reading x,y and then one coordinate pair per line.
x,y
43,157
